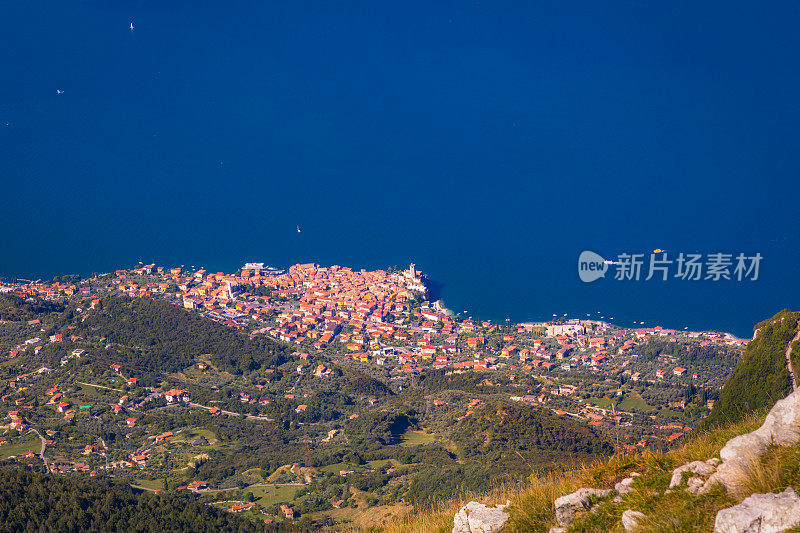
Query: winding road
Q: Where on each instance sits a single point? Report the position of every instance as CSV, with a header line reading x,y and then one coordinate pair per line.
x,y
41,451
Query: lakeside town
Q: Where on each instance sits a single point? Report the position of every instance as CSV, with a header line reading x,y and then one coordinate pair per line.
x,y
642,388
382,318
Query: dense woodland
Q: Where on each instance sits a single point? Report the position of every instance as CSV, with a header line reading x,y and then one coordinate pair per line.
x,y
169,338
441,380
510,427
688,354
761,378
13,308
32,502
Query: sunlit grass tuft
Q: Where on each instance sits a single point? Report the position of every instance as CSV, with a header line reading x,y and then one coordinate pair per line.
x,y
532,507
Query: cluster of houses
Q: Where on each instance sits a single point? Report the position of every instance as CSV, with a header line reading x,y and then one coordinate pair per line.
x,y
371,317
366,315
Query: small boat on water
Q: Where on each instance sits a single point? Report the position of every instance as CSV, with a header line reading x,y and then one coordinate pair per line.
x,y
131,26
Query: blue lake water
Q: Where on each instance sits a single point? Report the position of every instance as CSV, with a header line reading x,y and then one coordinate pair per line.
x,y
490,143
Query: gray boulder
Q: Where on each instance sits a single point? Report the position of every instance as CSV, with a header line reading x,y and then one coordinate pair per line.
x,y
702,468
567,506
761,513
631,519
624,486
782,424
781,427
694,484
479,518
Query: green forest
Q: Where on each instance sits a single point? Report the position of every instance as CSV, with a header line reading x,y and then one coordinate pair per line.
x,y
761,378
32,502
170,338
15,309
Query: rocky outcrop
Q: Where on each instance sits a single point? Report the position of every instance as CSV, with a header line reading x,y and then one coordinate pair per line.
x,y
624,486
761,513
694,484
479,518
631,520
581,499
781,427
703,468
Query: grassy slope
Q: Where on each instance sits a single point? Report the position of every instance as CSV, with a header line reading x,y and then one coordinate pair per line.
x,y
758,381
20,446
532,503
631,402
761,378
415,438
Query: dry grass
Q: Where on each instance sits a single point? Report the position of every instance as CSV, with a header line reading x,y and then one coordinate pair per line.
x,y
532,502
772,472
439,518
532,508
708,444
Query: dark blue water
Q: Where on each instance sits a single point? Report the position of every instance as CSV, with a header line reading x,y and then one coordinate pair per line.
x,y
489,143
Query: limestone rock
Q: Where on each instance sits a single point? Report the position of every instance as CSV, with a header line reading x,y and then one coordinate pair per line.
x,y
624,486
694,484
782,424
568,505
780,427
479,518
751,443
461,522
696,467
761,513
631,519
558,530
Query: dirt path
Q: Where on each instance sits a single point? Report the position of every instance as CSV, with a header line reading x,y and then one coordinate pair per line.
x,y
98,386
41,451
229,413
789,359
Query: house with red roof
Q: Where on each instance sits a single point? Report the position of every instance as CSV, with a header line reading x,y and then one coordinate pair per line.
x,y
177,395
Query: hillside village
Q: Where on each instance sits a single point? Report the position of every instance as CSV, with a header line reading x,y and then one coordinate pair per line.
x,y
643,388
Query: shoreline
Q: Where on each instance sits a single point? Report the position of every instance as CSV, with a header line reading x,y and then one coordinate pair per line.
x,y
434,296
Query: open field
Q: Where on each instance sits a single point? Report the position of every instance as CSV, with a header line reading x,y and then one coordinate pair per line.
x,y
194,433
634,401
416,438
21,446
153,484
380,463
266,496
